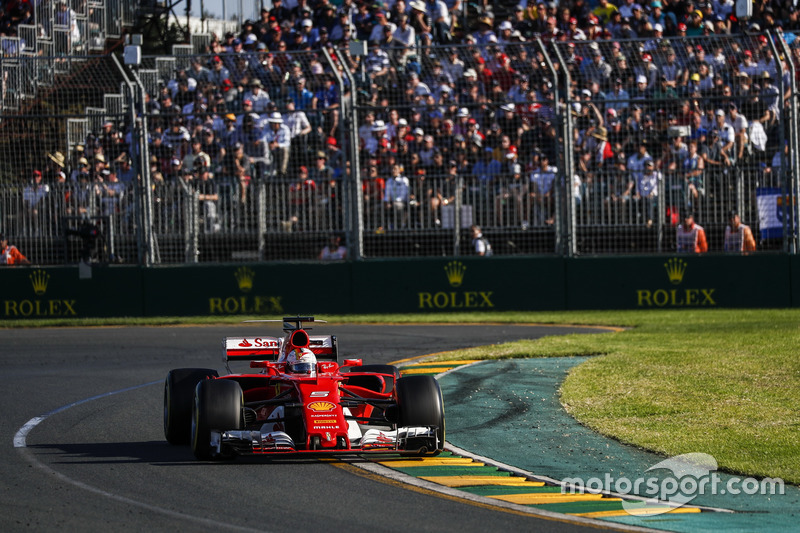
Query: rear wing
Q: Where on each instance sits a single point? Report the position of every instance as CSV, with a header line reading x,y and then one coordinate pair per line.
x,y
251,348
324,347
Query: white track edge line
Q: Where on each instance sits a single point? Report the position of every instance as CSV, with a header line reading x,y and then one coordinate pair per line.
x,y
20,442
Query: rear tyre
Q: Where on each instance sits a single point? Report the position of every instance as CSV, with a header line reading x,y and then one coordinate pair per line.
x,y
178,394
373,382
217,406
419,401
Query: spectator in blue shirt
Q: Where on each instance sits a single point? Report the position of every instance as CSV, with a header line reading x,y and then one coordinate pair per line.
x,y
303,98
327,101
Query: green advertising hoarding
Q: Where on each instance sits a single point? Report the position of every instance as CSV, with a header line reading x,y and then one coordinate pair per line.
x,y
679,281
254,289
469,284
402,286
70,292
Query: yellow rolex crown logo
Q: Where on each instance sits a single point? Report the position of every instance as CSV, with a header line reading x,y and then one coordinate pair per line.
x,y
675,270
39,280
244,277
455,272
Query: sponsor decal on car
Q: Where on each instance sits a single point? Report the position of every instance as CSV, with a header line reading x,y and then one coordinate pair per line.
x,y
265,343
321,406
382,437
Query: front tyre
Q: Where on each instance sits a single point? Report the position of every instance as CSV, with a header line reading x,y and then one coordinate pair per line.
x,y
217,406
178,394
420,404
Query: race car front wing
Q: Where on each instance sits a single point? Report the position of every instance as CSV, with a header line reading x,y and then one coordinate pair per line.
x,y
411,440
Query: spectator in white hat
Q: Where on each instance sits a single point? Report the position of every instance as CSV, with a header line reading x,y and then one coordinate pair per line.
x,y
279,141
641,91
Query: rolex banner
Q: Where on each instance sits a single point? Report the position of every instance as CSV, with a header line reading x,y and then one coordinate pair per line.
x,y
447,284
458,285
702,281
47,292
771,212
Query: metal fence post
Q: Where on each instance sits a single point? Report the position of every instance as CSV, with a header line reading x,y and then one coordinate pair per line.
x,y
354,202
140,160
261,217
565,214
790,166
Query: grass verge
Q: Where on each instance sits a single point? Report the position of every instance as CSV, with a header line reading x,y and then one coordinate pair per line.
x,y
723,382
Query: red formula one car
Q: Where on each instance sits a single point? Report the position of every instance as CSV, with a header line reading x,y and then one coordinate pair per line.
x,y
299,399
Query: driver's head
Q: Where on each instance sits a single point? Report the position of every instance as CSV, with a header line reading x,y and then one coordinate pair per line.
x,y
301,361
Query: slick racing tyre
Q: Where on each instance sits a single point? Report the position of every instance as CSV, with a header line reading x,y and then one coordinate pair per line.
x,y
178,394
217,406
419,401
374,382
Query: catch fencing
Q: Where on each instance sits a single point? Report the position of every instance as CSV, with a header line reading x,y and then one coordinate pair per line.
x,y
544,145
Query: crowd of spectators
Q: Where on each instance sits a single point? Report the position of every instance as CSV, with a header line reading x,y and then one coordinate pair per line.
x,y
45,16
459,106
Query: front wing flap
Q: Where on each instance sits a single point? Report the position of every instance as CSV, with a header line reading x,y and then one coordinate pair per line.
x,y
411,440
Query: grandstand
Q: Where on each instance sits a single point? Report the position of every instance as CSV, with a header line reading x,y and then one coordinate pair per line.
x,y
397,130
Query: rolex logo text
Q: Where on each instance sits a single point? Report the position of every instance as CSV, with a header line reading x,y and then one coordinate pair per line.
x,y
246,302
455,272
38,306
675,297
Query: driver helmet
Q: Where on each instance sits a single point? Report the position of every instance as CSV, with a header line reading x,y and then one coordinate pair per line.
x,y
301,361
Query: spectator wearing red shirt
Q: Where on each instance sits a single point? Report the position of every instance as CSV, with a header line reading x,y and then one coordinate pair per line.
x,y
302,196
504,75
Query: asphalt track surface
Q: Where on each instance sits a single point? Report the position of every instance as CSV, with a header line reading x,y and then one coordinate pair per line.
x,y
96,461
